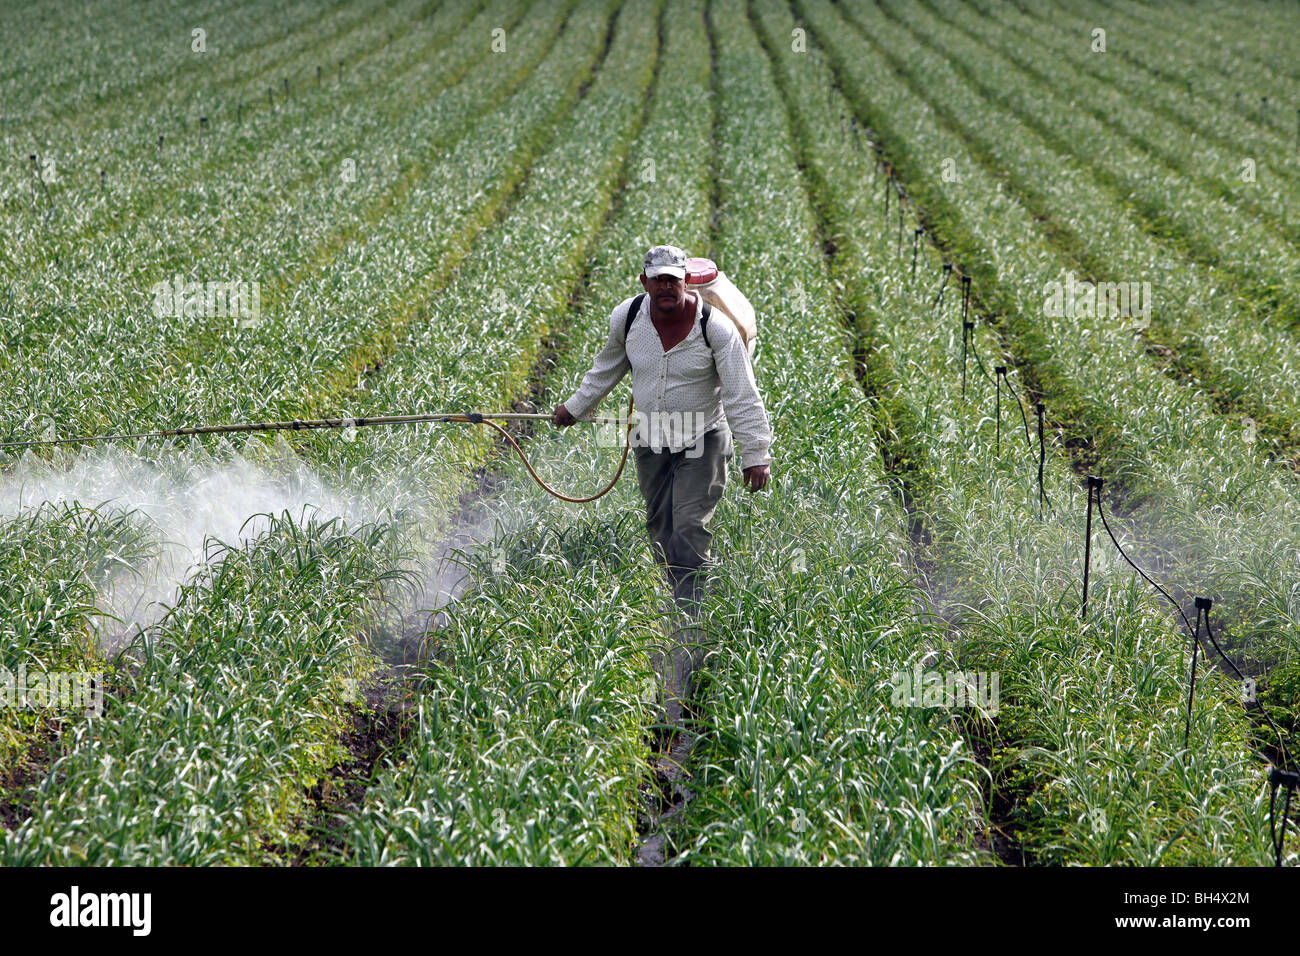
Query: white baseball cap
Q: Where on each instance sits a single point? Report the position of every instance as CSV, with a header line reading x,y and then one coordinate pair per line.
x,y
665,260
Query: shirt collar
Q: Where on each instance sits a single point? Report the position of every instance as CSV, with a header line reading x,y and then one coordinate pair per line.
x,y
695,325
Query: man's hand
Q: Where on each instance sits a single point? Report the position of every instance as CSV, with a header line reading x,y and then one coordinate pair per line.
x,y
756,476
562,418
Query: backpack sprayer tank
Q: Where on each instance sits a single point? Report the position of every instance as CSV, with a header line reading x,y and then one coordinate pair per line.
x,y
703,276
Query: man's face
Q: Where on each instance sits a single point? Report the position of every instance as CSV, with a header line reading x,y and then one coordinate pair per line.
x,y
667,291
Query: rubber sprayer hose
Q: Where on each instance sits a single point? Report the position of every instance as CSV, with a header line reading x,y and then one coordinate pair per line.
x,y
475,419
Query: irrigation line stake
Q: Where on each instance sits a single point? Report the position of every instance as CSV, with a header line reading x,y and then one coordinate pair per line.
x,y
1042,460
965,312
36,171
966,329
1281,741
1094,495
889,181
902,198
1203,606
999,371
916,235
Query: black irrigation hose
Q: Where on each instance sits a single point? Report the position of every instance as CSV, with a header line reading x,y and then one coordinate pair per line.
x,y
938,299
975,353
1281,741
1190,630
1291,779
965,312
1277,835
1001,370
1277,778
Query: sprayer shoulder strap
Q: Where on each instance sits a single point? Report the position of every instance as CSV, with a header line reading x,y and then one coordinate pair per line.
x,y
632,311
635,308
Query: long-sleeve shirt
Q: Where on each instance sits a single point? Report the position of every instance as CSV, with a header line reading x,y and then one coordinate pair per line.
x,y
685,391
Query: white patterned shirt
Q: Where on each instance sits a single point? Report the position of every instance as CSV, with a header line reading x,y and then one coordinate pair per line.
x,y
685,391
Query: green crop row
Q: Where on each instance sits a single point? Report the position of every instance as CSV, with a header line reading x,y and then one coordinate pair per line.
x,y
53,559
224,714
1214,193
245,387
1197,489
1155,89
539,220
528,744
1227,316
473,266
1086,747
804,757
592,38
154,73
1258,61
205,355
254,158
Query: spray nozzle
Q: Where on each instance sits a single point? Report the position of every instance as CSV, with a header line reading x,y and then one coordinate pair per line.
x,y
1204,603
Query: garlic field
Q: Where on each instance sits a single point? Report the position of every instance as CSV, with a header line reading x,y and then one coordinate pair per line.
x,y
994,248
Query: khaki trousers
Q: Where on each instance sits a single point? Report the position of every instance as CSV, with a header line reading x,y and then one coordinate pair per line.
x,y
681,493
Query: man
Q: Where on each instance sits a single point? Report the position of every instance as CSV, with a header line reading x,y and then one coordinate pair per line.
x,y
693,387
